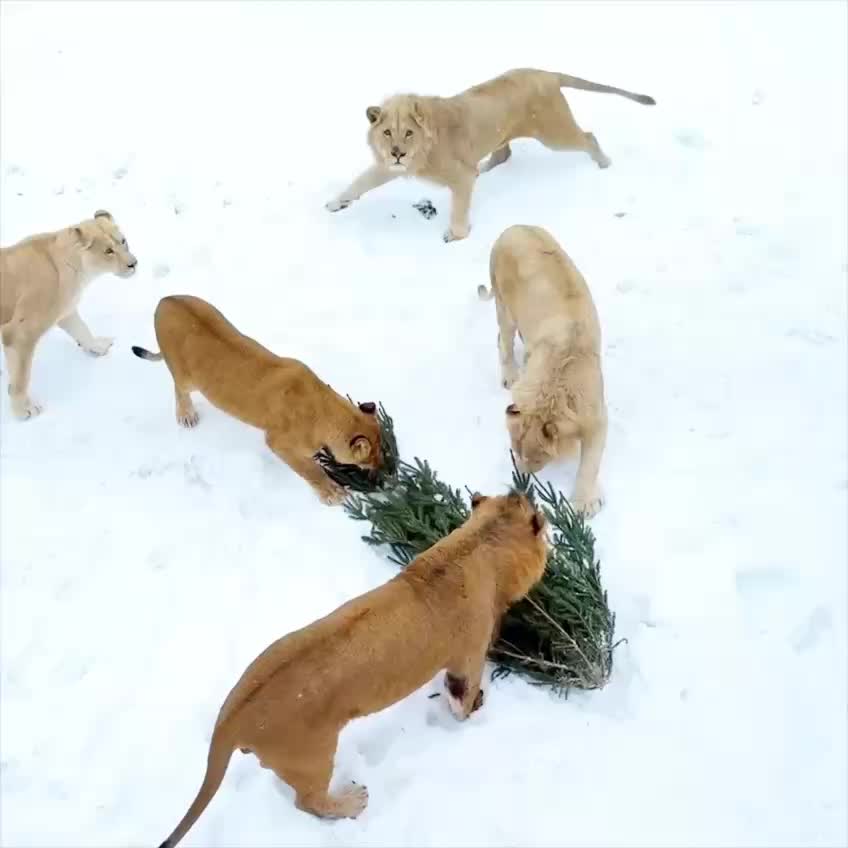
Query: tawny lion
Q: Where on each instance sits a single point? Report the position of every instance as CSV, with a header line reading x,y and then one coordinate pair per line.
x,y
299,413
441,612
558,400
443,139
42,279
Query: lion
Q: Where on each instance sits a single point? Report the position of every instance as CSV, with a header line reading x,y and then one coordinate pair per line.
x,y
42,279
441,612
443,139
299,413
558,400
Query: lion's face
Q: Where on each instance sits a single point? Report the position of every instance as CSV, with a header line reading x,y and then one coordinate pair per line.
x,y
362,445
104,248
399,135
536,441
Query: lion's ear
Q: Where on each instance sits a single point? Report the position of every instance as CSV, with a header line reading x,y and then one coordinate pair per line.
x,y
102,213
477,499
81,239
360,448
550,430
373,114
419,116
538,522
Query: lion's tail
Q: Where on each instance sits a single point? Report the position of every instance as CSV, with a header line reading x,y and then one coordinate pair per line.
x,y
485,294
220,752
566,81
482,292
142,353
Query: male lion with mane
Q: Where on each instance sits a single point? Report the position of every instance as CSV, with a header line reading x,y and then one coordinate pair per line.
x,y
443,139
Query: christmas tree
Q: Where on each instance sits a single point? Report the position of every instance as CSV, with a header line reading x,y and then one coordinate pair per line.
x,y
561,634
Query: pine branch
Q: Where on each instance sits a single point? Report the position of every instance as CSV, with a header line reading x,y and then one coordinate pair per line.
x,y
561,634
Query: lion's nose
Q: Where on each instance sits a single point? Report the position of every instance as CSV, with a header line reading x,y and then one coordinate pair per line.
x,y
132,263
396,152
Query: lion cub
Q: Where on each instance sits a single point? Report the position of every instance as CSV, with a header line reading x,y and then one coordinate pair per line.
x,y
443,139
299,413
42,279
441,612
559,399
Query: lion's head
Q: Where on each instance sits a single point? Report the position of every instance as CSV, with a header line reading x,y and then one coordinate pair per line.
x,y
102,246
361,443
400,135
538,438
520,530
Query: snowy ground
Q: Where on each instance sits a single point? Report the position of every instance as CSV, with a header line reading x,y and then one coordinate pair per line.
x,y
144,566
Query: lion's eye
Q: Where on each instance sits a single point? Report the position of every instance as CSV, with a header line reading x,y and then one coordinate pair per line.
x,y
109,251
409,133
387,132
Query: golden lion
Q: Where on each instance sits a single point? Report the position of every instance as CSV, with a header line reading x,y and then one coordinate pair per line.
x,y
443,139
299,413
441,612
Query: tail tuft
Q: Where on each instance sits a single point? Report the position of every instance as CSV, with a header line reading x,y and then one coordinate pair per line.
x,y
142,353
167,844
483,293
568,81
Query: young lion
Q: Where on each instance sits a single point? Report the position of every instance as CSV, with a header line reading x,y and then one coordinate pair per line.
x,y
441,612
559,399
299,413
42,279
443,139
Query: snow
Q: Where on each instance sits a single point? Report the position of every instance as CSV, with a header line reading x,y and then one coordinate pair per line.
x,y
144,566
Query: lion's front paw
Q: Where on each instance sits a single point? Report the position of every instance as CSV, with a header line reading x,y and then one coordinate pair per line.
x,y
478,701
24,408
508,377
188,418
587,505
337,204
331,494
456,233
99,346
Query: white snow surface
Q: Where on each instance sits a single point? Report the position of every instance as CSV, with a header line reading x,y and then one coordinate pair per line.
x,y
143,566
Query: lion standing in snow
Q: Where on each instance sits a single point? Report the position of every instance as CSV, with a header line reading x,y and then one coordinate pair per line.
x,y
443,139
558,399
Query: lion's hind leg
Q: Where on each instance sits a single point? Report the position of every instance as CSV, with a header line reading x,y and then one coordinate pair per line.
x,y
497,158
558,130
308,767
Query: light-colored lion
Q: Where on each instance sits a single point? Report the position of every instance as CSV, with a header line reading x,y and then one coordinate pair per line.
x,y
441,612
299,413
443,139
558,401
42,279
